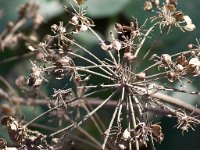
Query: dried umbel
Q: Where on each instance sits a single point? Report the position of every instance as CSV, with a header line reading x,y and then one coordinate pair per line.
x,y
134,88
169,16
144,131
22,136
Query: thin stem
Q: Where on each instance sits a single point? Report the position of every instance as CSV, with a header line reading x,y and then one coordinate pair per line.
x,y
134,120
56,107
112,120
143,40
84,118
87,51
99,38
86,59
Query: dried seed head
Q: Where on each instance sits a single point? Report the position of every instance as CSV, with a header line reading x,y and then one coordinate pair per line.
x,y
166,59
106,45
118,28
141,76
172,76
128,56
182,60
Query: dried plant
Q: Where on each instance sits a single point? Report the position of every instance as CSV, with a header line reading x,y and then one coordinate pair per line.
x,y
131,90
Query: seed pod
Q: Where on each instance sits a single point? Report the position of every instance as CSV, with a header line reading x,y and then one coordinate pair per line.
x,y
166,59
157,132
172,76
118,28
81,28
182,60
179,68
141,76
74,20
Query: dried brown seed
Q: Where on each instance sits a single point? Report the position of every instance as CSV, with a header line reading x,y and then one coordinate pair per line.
x,y
118,28
182,60
172,76
157,132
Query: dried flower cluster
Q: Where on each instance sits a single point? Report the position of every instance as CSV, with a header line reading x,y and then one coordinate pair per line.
x,y
136,93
